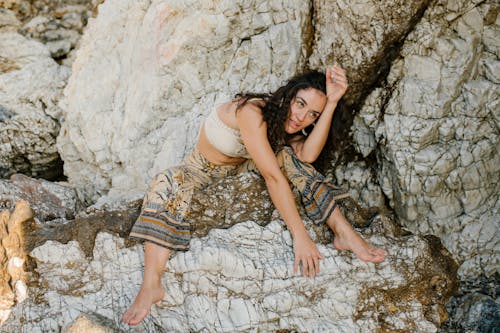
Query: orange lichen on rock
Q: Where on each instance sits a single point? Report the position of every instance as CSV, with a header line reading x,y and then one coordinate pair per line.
x,y
13,255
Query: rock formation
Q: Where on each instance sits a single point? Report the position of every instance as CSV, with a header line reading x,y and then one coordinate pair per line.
x,y
362,36
238,279
31,83
33,35
417,138
13,288
433,127
57,24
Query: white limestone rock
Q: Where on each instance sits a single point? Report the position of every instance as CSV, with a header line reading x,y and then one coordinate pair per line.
x,y
89,323
31,84
56,24
434,129
361,36
239,279
8,20
140,85
362,184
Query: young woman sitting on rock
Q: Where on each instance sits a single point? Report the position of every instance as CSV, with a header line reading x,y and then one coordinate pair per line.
x,y
263,132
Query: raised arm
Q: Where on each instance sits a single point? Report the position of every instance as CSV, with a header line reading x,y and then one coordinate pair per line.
x,y
309,149
254,134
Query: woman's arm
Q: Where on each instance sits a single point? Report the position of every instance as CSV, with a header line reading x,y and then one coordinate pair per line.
x,y
254,134
309,149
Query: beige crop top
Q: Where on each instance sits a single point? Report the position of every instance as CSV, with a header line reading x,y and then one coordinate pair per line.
x,y
224,138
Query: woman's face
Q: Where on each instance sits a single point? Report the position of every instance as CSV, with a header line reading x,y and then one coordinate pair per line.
x,y
305,108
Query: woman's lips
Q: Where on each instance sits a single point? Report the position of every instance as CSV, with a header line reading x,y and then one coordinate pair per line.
x,y
294,124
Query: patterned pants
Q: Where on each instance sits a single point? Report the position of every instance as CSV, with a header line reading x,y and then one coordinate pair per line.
x,y
164,215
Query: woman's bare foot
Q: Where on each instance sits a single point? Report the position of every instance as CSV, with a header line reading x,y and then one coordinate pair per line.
x,y
147,296
346,238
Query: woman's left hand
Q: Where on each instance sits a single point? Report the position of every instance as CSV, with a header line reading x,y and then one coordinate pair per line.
x,y
336,84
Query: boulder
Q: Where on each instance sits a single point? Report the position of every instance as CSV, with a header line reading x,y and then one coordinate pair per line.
x,y
31,84
363,37
433,129
50,201
57,24
13,257
241,278
475,312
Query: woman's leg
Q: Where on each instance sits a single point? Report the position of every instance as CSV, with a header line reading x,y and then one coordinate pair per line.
x,y
155,259
319,198
162,221
164,226
346,238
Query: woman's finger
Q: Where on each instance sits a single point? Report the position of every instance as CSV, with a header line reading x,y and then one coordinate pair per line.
x,y
305,267
338,71
338,78
316,265
311,268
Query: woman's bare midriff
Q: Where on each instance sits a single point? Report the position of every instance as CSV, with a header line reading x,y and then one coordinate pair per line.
x,y
227,115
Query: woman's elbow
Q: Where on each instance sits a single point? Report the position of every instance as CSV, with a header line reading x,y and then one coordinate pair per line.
x,y
270,179
306,158
274,180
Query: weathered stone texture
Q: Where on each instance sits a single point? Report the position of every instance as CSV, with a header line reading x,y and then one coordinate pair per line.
x,y
13,287
31,83
435,128
49,200
362,37
474,312
58,24
237,279
90,324
32,35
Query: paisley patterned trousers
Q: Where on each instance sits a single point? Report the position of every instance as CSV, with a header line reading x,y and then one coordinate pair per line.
x,y
164,216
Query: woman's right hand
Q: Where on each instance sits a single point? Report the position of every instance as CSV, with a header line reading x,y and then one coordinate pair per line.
x,y
307,254
336,84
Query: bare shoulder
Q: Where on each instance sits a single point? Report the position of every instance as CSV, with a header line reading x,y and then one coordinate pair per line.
x,y
246,102
249,113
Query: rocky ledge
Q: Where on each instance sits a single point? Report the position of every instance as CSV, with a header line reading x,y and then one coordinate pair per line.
x,y
231,280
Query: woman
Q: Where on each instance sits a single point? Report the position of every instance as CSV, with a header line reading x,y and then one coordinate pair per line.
x,y
266,131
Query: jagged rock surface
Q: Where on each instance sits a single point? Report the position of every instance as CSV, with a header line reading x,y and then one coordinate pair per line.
x,y
237,279
362,37
474,312
434,127
31,83
32,35
58,24
83,276
49,200
90,324
427,136
13,278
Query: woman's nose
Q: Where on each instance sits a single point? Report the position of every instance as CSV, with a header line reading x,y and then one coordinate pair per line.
x,y
301,115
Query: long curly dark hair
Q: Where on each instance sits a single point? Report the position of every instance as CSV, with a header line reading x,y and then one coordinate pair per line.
x,y
277,107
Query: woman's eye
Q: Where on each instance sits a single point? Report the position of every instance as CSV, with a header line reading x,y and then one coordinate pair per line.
x,y
313,114
300,104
